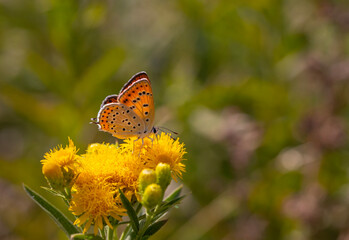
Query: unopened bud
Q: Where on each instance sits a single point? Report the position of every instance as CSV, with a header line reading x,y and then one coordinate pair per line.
x,y
147,177
152,196
163,175
69,177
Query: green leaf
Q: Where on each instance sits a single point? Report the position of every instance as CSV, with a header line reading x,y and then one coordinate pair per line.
x,y
85,236
165,206
127,222
130,211
173,201
131,235
62,221
126,233
53,192
152,229
174,194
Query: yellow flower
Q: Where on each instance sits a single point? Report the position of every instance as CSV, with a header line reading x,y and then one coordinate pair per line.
x,y
110,163
103,170
60,165
93,201
164,149
52,171
100,161
106,168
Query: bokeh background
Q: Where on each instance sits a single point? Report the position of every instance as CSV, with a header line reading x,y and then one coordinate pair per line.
x,y
258,91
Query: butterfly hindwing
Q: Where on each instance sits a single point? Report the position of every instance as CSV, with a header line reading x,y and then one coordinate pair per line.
x,y
139,97
119,120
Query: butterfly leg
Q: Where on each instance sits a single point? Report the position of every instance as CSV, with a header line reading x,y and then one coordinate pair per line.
x,y
140,150
152,141
133,150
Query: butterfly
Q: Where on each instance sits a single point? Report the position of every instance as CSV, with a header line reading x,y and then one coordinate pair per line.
x,y
131,112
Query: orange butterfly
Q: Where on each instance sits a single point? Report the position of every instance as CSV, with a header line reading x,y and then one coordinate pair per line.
x,y
131,113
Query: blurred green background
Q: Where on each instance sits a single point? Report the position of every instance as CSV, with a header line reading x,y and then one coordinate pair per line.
x,y
258,91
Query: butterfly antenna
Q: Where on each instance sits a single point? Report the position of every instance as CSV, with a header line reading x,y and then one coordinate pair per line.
x,y
165,128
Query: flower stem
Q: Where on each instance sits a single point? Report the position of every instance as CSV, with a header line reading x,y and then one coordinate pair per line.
x,y
102,233
110,233
148,221
126,232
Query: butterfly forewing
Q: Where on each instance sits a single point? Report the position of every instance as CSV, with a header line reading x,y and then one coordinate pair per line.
x,y
119,120
139,97
133,79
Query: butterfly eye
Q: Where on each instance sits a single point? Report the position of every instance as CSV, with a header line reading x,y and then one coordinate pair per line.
x,y
154,130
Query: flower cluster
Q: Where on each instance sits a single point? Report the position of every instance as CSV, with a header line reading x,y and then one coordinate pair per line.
x,y
60,166
91,181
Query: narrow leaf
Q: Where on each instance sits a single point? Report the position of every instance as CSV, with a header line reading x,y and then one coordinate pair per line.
x,y
130,211
62,221
85,236
174,194
127,222
173,201
166,205
154,228
162,210
53,192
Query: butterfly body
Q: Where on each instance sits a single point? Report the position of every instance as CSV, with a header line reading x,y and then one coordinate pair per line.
x,y
131,112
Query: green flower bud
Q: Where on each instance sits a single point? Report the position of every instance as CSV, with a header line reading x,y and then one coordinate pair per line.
x,y
163,175
69,176
147,177
152,196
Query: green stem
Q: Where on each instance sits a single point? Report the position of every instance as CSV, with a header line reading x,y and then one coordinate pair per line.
x,y
125,232
67,195
139,207
127,222
148,221
102,233
110,233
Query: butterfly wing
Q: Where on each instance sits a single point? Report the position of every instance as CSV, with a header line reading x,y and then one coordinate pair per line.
x,y
110,99
133,79
139,98
119,120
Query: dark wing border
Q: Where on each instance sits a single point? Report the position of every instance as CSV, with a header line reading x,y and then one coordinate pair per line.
x,y
133,79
